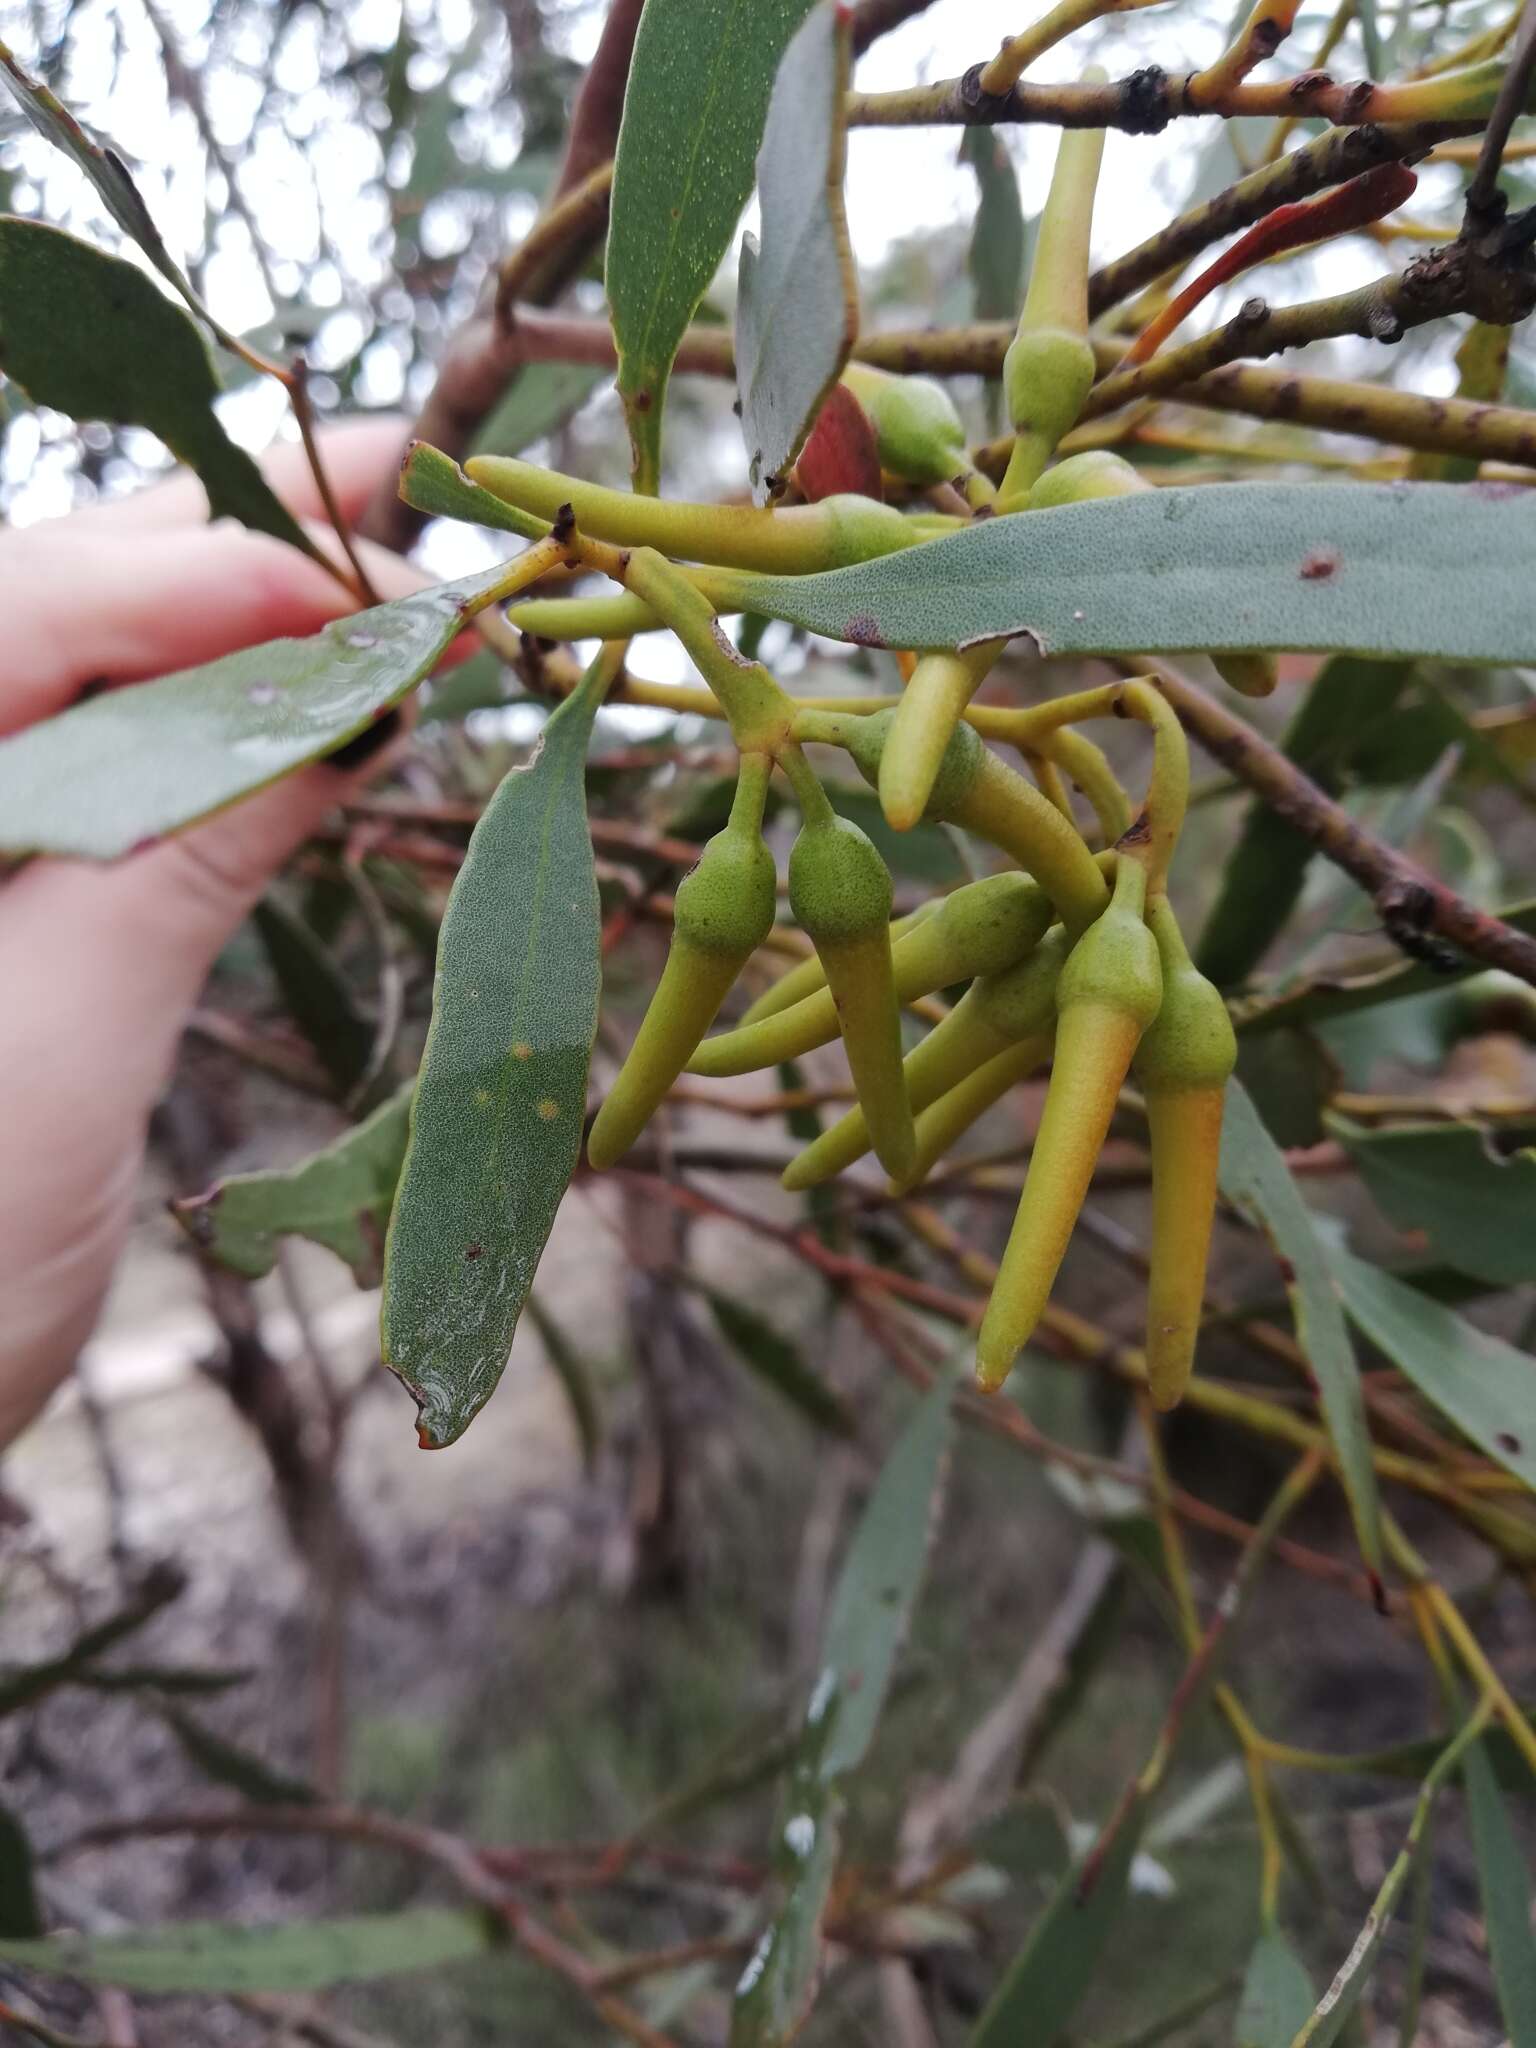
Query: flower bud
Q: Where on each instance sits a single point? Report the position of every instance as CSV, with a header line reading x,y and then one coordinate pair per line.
x,y
917,429
1183,1064
840,893
724,910
1108,994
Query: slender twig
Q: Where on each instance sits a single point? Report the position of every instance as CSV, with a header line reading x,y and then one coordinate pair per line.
x,y
1484,201
297,381
1414,907
1340,154
575,221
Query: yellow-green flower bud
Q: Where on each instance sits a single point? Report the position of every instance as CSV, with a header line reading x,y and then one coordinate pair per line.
x,y
918,432
1096,473
995,1015
723,912
1047,375
840,893
1183,1064
1251,675
808,975
980,929
1108,994
943,1123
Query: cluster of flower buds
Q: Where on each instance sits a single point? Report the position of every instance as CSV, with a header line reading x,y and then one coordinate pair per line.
x,y
1070,959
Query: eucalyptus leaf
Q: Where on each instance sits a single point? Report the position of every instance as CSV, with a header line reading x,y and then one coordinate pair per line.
x,y
999,236
1504,1879
570,1368
340,1198
131,765
1483,1385
797,304
1433,569
1046,1981
231,1764
433,483
694,109
870,1608
1255,1178
538,401
316,994
1277,1994
92,336
20,1917
1477,1210
497,1116
305,1955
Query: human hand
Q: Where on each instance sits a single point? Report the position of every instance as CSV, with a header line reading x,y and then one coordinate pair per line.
x,y
100,965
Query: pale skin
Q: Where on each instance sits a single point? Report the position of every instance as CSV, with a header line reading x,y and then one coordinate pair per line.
x,y
99,965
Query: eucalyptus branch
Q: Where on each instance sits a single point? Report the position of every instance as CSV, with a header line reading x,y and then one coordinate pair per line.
x,y
1416,910
557,244
1339,154
1144,102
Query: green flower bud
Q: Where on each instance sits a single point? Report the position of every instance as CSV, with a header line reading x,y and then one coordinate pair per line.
x,y
724,910
1047,375
1183,1064
840,893
917,430
1251,675
858,529
1095,473
1108,993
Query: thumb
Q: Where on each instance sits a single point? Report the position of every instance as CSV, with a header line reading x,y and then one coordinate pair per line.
x,y
100,966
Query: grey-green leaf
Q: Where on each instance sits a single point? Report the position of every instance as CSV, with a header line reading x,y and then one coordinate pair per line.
x,y
1505,1882
878,1585
870,1608
340,1198
1483,1385
94,337
496,1122
694,110
1254,1177
1364,568
995,259
1478,1211
1277,1994
130,765
1047,1979
539,401
307,1955
797,303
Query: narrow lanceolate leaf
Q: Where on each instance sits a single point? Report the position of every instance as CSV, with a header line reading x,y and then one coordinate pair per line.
x,y
575,1377
1263,876
1048,1977
20,1918
228,1763
1480,1383
1505,1882
433,483
1277,1994
316,994
797,304
340,1197
539,401
100,163
131,765
1255,1178
876,1591
496,1122
1475,1208
307,1955
92,336
693,118
778,1363
1364,568
1332,2012
995,259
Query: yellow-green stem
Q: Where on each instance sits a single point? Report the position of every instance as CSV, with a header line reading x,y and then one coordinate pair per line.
x,y
931,706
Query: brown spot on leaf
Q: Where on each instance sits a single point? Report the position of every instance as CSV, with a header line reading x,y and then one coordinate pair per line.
x,y
549,1109
473,1251
1319,566
522,1050
1508,1441
863,629
1287,1270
